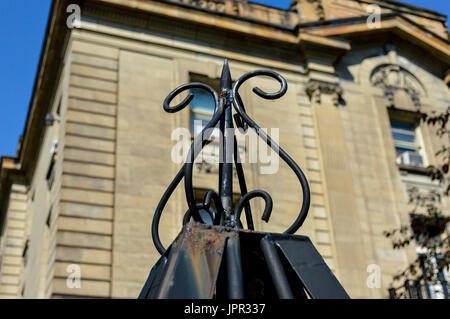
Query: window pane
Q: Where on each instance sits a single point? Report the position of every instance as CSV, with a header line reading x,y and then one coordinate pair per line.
x,y
406,144
404,137
202,107
202,101
402,149
402,126
198,122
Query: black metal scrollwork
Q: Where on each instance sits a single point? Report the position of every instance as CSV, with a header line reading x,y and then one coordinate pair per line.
x,y
222,214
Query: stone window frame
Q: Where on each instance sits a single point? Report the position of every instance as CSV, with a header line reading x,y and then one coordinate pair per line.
x,y
412,118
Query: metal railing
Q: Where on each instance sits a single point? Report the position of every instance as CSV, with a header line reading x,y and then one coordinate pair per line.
x,y
216,257
227,99
415,289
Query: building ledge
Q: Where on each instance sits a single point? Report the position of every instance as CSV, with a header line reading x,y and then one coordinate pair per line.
x,y
413,169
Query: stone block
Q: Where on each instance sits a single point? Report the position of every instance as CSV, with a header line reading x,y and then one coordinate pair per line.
x,y
84,225
95,84
88,169
90,48
95,272
93,72
81,155
93,95
83,255
85,210
91,118
90,143
99,62
89,288
90,131
92,107
83,239
319,211
84,182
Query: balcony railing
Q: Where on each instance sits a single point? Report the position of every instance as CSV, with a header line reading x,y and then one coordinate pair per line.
x,y
418,290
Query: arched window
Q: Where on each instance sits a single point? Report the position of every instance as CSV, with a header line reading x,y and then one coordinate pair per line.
x,y
402,91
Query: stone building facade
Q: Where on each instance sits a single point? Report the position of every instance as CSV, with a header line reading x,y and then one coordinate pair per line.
x,y
95,156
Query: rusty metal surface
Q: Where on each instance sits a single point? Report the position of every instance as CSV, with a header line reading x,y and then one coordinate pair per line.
x,y
194,262
206,262
318,280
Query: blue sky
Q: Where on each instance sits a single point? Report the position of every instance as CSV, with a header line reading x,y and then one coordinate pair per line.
x,y
22,29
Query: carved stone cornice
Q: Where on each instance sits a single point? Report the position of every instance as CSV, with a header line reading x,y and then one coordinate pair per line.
x,y
231,7
315,89
242,9
320,12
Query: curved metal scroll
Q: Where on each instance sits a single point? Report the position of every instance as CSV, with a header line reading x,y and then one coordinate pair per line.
x,y
238,106
229,96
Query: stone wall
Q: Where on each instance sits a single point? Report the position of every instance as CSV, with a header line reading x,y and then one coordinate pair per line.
x,y
13,242
86,213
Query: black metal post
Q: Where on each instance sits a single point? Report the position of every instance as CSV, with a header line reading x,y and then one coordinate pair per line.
x,y
226,129
444,284
445,288
411,289
418,288
422,266
235,287
276,270
392,293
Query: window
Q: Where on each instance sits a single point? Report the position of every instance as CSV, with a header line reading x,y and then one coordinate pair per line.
x,y
49,217
202,109
202,105
50,177
407,142
25,252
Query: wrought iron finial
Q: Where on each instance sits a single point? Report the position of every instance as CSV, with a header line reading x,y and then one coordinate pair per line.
x,y
224,214
225,78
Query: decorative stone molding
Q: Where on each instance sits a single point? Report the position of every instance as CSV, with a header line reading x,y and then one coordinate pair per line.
x,y
306,8
389,95
222,6
319,9
392,78
315,89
